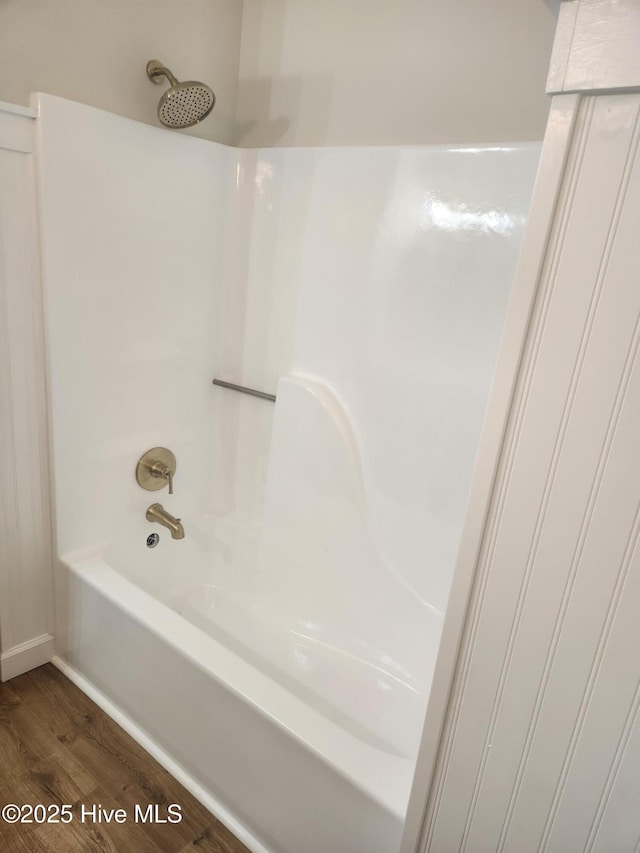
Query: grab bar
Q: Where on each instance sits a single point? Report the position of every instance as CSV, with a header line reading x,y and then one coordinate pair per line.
x,y
244,390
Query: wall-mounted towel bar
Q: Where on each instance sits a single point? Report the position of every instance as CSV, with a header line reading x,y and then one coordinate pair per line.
x,y
244,390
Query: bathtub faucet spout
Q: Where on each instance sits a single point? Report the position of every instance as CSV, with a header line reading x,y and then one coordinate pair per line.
x,y
157,512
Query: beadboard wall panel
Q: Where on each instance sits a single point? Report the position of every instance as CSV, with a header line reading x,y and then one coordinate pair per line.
x,y
537,751
596,46
25,528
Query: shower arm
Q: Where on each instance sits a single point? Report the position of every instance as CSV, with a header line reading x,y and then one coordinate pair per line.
x,y
155,71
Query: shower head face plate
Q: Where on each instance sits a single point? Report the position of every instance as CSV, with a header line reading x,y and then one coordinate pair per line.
x,y
186,104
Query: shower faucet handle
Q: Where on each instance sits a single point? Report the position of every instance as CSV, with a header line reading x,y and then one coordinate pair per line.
x,y
155,468
158,469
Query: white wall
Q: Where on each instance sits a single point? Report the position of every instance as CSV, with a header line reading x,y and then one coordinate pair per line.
x,y
366,72
26,624
312,72
96,52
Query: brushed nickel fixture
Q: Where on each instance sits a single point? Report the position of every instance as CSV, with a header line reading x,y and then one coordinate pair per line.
x,y
155,469
157,513
183,104
244,390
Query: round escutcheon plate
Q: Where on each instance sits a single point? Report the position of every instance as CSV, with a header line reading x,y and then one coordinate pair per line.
x,y
156,456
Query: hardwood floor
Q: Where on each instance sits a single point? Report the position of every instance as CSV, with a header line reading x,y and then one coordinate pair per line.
x,y
58,747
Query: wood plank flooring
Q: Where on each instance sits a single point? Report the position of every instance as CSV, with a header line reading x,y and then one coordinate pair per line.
x,y
57,747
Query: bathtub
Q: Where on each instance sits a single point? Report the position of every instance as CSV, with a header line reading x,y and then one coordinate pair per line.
x,y
282,775
278,660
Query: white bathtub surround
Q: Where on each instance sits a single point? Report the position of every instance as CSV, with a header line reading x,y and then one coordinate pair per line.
x,y
304,607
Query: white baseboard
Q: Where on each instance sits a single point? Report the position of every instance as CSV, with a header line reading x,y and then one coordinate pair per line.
x,y
26,656
163,758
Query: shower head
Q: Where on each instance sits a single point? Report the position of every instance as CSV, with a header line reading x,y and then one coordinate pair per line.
x,y
183,104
